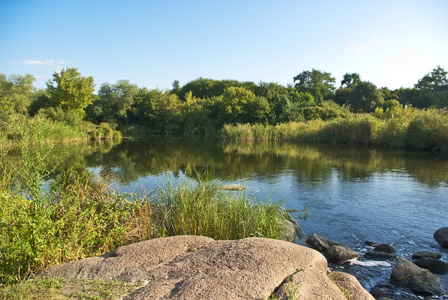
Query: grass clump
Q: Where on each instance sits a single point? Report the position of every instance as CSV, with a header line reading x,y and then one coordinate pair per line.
x,y
201,209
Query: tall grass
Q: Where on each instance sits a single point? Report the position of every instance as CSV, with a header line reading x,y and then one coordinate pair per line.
x,y
409,128
16,128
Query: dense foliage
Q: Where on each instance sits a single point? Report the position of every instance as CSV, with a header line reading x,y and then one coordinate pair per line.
x,y
204,106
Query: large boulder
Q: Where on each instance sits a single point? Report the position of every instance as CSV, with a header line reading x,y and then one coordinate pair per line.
x,y
407,274
189,267
441,236
319,243
338,253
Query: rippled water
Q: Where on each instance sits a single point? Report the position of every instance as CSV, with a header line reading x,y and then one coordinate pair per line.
x,y
352,194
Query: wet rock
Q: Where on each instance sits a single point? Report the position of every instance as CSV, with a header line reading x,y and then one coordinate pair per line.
x,y
339,253
441,236
419,280
380,255
427,254
385,248
434,265
319,243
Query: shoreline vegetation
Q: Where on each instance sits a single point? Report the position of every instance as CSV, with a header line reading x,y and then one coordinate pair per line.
x,y
409,128
77,214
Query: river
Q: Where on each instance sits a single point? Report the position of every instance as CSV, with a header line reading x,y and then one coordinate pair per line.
x,y
352,194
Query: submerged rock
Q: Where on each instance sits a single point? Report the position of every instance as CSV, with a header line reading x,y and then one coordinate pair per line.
x,y
319,243
441,236
419,280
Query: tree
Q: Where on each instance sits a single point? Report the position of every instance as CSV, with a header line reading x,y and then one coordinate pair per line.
x,y
350,79
317,83
70,91
15,93
436,80
365,97
234,102
116,100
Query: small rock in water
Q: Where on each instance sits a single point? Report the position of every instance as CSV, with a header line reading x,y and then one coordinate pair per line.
x,y
385,248
371,244
419,280
319,243
434,265
339,253
380,255
427,254
441,236
232,187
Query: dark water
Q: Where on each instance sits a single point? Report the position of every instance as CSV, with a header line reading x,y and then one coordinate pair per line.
x,y
352,194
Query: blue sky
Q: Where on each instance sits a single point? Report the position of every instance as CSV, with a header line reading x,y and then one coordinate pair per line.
x,y
152,43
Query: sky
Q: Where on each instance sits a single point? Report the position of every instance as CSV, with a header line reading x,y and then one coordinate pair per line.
x,y
391,43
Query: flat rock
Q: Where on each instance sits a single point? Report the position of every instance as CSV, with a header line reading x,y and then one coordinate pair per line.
x,y
190,267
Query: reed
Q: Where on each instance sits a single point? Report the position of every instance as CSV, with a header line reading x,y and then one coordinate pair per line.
x,y
407,128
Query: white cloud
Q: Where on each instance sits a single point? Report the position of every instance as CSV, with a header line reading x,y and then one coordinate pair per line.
x,y
48,62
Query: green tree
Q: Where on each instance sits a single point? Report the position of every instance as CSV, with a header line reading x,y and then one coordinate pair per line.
x,y
15,93
436,80
365,97
70,91
116,100
317,83
350,79
234,100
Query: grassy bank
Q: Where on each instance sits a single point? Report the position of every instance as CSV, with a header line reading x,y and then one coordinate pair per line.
x,y
18,129
408,129
78,214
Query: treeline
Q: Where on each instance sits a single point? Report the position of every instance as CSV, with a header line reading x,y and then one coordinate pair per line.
x,y
204,105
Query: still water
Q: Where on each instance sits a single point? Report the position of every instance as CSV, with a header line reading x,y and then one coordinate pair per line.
x,y
352,194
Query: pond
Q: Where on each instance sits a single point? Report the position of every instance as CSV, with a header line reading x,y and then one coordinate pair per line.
x,y
352,194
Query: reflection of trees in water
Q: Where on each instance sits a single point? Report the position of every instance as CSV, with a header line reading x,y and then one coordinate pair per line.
x,y
229,161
